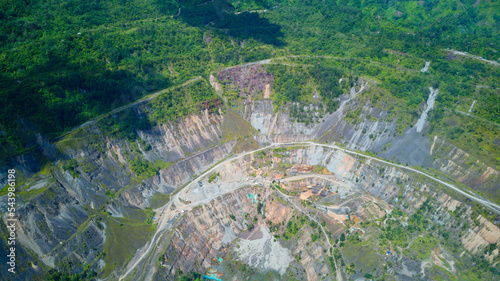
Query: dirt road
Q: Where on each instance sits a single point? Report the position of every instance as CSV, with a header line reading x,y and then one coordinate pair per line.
x,y
495,63
287,198
329,178
122,108
175,206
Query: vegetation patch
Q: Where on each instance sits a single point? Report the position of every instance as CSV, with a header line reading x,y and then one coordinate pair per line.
x,y
213,177
123,237
71,166
363,256
182,101
245,144
144,169
158,200
304,85
235,127
423,246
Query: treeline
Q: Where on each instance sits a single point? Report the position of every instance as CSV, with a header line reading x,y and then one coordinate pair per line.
x,y
178,103
72,61
297,85
329,86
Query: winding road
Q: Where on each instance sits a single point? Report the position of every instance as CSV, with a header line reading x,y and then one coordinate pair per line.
x,y
122,108
175,207
287,198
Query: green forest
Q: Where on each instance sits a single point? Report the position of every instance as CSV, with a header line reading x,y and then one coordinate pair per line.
x,y
65,62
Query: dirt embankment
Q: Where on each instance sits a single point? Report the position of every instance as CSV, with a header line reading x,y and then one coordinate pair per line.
x,y
54,224
465,168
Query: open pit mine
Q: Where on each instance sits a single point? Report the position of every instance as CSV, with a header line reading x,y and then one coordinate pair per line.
x,y
243,190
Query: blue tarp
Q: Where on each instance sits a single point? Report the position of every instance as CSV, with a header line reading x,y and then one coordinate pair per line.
x,y
407,187
211,278
252,197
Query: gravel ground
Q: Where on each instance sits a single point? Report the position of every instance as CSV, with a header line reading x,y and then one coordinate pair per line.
x,y
263,252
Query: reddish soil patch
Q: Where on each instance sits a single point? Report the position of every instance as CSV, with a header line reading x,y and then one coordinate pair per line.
x,y
251,79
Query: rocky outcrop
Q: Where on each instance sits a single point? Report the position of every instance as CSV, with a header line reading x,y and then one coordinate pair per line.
x,y
60,206
464,167
55,225
277,126
199,236
481,236
49,220
359,124
230,227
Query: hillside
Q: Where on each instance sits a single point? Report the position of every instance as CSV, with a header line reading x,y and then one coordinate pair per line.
x,y
93,56
251,140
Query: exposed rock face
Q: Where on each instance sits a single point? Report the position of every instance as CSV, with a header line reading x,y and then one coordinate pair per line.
x,y
411,148
474,232
277,212
278,127
372,130
387,188
48,148
260,251
479,237
54,225
49,219
209,231
198,236
28,164
56,208
216,85
48,228
465,168
23,259
183,171
373,192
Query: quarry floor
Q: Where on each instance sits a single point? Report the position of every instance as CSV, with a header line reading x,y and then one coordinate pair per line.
x,y
193,194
